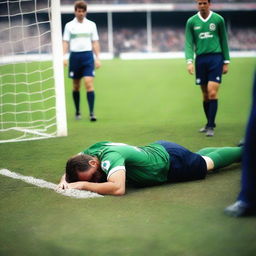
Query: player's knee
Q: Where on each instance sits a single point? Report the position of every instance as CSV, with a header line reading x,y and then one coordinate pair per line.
x,y
76,88
212,95
89,87
76,85
205,97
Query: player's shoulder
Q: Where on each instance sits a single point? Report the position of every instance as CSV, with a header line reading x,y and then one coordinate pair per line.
x,y
96,148
70,23
193,18
217,16
90,22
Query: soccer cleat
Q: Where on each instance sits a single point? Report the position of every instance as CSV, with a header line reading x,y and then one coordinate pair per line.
x,y
78,117
93,118
209,132
240,209
204,129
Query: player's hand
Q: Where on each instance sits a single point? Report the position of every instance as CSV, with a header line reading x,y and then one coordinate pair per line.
x,y
225,68
63,185
190,68
77,185
97,63
65,63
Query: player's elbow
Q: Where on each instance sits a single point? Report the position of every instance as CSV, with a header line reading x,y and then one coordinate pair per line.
x,y
119,192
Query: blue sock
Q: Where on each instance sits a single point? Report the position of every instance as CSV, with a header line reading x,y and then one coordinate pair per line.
x,y
213,106
76,98
90,99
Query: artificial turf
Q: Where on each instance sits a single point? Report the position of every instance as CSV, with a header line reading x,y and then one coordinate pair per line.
x,y
137,102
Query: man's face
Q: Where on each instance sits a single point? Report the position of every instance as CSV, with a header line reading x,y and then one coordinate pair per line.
x,y
80,14
93,174
203,6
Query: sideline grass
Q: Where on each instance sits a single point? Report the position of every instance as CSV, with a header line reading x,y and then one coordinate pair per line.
x,y
136,102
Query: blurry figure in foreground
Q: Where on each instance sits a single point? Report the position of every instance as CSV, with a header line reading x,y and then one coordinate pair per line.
x,y
246,201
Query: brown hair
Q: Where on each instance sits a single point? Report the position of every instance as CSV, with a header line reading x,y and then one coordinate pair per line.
x,y
81,5
209,1
77,163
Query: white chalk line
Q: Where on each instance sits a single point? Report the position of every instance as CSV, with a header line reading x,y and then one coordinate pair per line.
x,y
45,184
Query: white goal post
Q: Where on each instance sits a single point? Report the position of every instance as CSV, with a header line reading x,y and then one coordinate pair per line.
x,y
32,95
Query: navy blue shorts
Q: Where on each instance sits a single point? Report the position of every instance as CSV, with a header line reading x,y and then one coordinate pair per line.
x,y
184,164
81,64
209,67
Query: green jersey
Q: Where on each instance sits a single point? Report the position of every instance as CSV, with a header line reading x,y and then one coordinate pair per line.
x,y
206,36
144,166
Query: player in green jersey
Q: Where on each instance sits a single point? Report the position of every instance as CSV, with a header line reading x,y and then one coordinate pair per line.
x,y
106,167
206,37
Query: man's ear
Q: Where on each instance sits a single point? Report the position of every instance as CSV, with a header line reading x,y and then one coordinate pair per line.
x,y
93,163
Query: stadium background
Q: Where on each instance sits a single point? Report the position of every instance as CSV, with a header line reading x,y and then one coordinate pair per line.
x,y
137,102
146,26
130,24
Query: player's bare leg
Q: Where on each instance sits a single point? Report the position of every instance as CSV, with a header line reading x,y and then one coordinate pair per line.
x,y
209,163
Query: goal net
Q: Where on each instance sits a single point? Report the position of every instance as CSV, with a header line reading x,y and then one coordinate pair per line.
x,y
32,100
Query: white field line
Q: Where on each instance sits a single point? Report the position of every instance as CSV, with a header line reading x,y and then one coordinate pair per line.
x,y
45,184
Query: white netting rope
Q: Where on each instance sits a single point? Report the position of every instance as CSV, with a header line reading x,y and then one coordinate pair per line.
x,y
27,92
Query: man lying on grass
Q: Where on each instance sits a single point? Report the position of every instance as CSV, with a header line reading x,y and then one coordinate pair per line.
x,y
106,167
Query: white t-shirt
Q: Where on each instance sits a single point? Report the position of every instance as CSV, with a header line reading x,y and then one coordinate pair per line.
x,y
80,35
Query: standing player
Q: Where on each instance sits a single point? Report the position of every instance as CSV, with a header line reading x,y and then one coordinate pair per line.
x,y
81,38
206,37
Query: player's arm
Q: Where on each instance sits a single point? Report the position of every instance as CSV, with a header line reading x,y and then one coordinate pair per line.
x,y
114,186
225,68
65,51
63,183
224,45
96,51
189,48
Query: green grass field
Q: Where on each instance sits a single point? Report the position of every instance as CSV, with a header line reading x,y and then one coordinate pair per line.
x,y
137,102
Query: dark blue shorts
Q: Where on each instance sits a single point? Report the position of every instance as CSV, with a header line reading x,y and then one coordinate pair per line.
x,y
184,164
209,68
81,64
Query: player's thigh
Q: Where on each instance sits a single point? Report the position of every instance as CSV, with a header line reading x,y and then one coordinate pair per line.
x,y
184,165
87,65
215,68
75,66
201,70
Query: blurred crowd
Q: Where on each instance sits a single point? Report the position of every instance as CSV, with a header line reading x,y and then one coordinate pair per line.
x,y
165,39
150,1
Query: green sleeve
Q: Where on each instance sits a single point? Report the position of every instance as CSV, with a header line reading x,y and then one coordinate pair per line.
x,y
189,42
224,41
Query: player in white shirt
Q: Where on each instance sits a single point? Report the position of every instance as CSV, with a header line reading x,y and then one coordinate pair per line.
x,y
82,40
